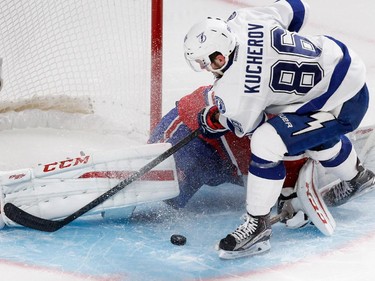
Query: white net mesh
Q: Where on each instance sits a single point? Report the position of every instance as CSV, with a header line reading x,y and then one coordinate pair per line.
x,y
81,56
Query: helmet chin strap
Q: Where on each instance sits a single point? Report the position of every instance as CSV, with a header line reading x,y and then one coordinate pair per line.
x,y
217,72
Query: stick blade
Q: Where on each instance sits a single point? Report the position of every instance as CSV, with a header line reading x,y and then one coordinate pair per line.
x,y
25,219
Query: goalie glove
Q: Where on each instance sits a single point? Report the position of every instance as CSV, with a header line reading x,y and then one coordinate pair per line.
x,y
208,120
287,204
298,220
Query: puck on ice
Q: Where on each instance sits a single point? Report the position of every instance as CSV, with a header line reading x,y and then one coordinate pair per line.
x,y
178,239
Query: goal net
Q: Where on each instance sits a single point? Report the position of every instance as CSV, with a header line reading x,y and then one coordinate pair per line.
x,y
79,64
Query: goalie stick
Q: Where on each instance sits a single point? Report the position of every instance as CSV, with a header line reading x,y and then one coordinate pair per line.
x,y
26,219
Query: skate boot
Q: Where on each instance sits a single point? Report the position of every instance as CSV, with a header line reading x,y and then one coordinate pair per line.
x,y
344,191
250,238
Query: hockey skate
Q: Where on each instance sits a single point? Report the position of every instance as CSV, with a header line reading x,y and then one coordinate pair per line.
x,y
250,238
345,191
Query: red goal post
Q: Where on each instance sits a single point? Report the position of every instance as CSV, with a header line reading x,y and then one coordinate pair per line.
x,y
156,62
82,57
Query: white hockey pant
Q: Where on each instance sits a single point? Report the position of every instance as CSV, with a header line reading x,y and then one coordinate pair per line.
x,y
262,193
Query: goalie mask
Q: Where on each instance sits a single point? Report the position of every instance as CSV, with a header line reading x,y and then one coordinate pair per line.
x,y
205,38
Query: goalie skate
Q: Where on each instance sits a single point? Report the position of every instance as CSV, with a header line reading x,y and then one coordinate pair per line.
x,y
345,191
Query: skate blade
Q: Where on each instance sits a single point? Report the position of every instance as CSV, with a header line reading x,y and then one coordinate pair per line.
x,y
256,249
365,190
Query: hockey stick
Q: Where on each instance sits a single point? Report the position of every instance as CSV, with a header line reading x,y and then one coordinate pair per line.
x,y
277,218
23,218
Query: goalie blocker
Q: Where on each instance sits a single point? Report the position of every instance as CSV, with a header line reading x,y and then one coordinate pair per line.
x,y
57,189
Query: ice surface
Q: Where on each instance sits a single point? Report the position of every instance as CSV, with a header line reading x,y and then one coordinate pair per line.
x,y
138,248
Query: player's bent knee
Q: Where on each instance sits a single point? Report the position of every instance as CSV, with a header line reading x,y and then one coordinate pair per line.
x,y
326,154
267,144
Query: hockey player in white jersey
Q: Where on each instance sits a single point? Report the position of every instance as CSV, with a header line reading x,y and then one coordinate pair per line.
x,y
314,84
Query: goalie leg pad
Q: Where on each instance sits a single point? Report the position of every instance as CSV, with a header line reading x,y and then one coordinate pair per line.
x,y
56,191
310,200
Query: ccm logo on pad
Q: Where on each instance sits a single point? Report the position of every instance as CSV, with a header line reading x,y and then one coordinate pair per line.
x,y
66,164
315,205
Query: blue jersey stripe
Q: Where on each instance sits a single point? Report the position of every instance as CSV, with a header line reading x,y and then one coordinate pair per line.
x,y
338,75
266,169
342,156
298,15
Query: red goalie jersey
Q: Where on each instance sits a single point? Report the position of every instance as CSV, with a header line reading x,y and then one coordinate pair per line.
x,y
207,161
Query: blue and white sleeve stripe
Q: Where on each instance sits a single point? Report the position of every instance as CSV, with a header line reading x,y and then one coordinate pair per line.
x,y
299,15
338,75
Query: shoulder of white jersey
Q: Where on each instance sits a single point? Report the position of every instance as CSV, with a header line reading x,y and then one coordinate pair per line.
x,y
290,14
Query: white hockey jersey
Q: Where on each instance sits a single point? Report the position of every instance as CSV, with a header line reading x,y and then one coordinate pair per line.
x,y
277,70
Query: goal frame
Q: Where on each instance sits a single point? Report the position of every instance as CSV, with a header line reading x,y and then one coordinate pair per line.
x,y
156,87
24,91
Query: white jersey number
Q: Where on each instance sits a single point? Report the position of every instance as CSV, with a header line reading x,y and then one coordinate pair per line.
x,y
292,76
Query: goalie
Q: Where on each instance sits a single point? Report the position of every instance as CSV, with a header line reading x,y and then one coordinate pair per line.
x,y
208,161
55,190
214,161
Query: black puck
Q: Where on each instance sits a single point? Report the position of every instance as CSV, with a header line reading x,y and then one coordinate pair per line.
x,y
178,239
